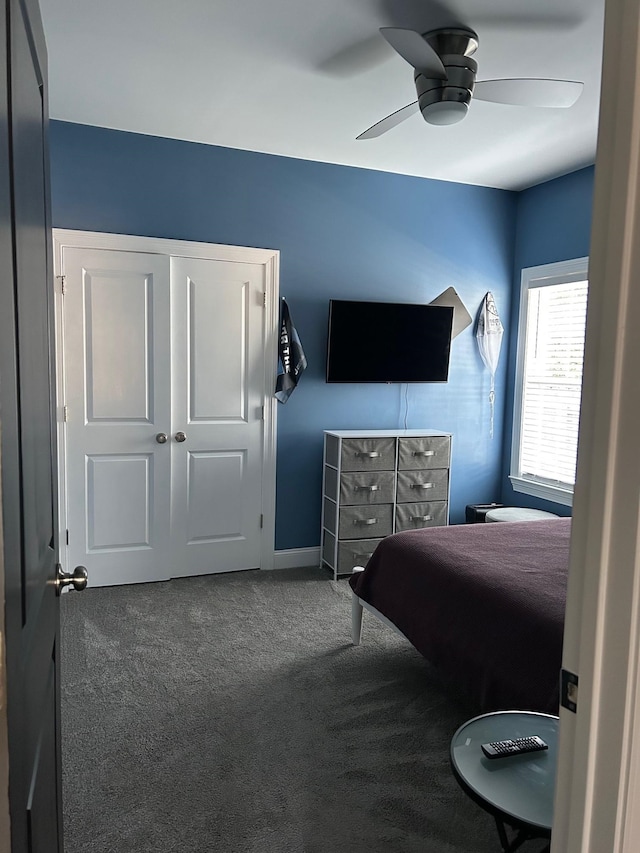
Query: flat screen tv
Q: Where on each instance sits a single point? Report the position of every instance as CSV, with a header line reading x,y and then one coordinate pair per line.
x,y
388,342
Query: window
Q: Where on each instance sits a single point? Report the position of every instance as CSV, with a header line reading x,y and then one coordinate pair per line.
x,y
553,307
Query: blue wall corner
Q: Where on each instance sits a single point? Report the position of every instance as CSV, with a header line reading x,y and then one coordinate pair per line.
x,y
553,223
342,232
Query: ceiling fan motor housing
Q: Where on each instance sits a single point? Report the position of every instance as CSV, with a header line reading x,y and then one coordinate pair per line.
x,y
447,101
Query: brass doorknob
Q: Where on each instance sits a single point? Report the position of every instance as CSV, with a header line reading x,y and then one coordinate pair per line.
x,y
77,578
181,436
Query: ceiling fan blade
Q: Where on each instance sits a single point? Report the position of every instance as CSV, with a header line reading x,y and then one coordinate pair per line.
x,y
529,92
415,50
390,121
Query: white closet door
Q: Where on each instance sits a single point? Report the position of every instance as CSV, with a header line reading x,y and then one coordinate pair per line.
x,y
117,377
218,392
159,345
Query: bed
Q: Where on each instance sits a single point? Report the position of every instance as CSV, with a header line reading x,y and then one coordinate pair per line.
x,y
484,603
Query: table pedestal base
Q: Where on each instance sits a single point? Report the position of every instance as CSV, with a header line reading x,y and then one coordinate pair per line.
x,y
522,835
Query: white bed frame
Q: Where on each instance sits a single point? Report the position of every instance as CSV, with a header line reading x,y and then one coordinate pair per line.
x,y
357,607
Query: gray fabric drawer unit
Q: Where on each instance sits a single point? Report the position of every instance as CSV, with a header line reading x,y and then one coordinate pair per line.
x,y
331,450
430,484
328,546
427,452
378,482
368,454
330,515
424,514
359,487
355,552
360,522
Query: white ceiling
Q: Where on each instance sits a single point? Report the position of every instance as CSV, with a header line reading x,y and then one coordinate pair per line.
x,y
303,79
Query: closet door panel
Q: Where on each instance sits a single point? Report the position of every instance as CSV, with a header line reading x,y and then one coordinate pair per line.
x,y
218,388
117,352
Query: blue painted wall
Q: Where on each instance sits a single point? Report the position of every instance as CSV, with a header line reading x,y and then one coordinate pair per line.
x,y
553,224
342,232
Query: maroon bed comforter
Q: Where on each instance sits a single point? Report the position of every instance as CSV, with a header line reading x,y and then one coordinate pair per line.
x,y
484,603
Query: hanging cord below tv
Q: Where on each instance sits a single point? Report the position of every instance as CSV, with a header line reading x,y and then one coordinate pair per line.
x,y
406,403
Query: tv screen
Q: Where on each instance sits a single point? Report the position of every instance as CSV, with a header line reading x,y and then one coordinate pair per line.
x,y
388,342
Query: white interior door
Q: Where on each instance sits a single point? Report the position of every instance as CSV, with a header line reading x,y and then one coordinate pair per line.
x,y
117,396
157,344
218,381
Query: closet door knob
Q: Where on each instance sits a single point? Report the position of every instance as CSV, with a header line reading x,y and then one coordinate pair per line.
x,y
161,438
180,436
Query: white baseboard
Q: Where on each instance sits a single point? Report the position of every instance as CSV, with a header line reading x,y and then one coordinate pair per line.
x,y
292,558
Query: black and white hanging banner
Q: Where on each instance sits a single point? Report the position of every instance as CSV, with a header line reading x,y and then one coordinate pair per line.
x,y
290,355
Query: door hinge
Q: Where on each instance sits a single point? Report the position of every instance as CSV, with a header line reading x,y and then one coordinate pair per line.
x,y
264,300
263,413
569,690
65,413
261,520
61,279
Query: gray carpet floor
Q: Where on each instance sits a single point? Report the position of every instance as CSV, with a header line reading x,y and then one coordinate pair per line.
x,y
230,713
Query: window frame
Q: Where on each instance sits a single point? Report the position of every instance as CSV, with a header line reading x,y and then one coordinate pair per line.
x,y
561,272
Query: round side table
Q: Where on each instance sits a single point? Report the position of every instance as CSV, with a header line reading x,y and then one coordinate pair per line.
x,y
517,790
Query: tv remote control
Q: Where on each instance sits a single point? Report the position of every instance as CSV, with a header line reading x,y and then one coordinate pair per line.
x,y
517,746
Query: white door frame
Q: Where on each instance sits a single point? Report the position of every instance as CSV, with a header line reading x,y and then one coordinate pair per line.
x,y
270,259
597,805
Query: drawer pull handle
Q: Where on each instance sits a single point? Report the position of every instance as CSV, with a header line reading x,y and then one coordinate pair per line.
x,y
421,485
424,453
365,521
367,488
420,518
368,454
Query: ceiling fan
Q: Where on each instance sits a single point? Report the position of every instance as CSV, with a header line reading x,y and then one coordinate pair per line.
x,y
445,79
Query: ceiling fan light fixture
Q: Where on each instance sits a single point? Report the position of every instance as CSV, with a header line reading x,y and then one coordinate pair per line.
x,y
447,101
445,112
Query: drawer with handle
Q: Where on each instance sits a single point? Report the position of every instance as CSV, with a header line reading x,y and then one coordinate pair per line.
x,y
365,522
368,454
424,514
355,553
426,452
360,487
427,484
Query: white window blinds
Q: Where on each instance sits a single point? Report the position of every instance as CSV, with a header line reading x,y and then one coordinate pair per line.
x,y
552,381
551,330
